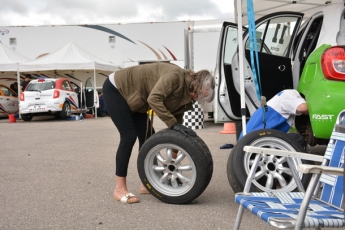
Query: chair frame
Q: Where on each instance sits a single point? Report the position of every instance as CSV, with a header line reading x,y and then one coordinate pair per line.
x,y
304,168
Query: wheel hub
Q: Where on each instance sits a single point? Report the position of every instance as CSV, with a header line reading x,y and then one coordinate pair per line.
x,y
172,168
175,175
271,166
273,172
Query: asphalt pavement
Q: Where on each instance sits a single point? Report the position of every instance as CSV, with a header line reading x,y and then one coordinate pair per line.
x,y
58,174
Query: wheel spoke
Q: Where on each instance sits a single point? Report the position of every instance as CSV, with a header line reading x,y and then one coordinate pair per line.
x,y
269,182
286,171
164,178
281,160
264,157
259,174
251,162
183,178
185,168
169,155
158,168
160,158
173,181
281,180
180,158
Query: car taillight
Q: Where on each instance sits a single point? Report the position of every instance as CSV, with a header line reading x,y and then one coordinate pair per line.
x,y
56,94
22,96
333,63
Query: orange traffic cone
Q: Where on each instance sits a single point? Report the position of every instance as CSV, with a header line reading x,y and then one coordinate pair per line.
x,y
229,128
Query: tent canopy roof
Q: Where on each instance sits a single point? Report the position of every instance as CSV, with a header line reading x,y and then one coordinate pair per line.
x,y
9,59
69,57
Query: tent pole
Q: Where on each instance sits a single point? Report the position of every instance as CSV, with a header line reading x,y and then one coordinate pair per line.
x,y
18,85
241,64
81,97
94,89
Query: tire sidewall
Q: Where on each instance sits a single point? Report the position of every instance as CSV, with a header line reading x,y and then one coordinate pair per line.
x,y
26,117
63,113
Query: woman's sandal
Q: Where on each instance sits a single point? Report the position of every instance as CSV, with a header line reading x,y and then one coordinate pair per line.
x,y
126,199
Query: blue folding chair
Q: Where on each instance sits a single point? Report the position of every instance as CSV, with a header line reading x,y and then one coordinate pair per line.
x,y
321,206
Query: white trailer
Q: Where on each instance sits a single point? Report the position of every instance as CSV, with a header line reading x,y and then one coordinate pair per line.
x,y
189,44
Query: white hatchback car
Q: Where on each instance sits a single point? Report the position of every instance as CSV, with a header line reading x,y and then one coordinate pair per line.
x,y
59,97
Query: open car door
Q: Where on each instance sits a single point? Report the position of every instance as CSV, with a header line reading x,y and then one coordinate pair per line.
x,y
227,100
91,95
275,35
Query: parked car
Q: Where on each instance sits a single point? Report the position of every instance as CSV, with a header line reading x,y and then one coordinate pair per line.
x,y
8,101
309,57
59,97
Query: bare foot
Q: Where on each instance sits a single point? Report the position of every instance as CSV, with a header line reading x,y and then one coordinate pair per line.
x,y
143,190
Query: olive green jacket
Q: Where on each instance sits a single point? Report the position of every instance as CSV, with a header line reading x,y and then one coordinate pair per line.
x,y
163,87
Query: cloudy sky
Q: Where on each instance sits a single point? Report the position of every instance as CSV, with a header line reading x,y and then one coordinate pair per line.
x,y
67,12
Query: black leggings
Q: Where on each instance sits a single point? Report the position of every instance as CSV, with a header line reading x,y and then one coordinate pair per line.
x,y
129,124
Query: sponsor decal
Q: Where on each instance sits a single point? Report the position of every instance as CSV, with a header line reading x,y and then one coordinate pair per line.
x,y
71,101
13,103
323,117
2,109
275,48
4,31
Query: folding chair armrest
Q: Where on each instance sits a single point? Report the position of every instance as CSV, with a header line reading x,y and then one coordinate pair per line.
x,y
304,168
283,153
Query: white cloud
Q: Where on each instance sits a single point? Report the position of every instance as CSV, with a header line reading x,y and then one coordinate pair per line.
x,y
61,12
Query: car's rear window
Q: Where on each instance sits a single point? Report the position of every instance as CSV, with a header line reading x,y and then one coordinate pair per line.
x,y
40,86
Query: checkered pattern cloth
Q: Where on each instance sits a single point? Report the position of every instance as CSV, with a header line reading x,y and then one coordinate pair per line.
x,y
194,119
285,206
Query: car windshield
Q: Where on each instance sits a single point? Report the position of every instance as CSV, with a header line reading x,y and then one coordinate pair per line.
x,y
41,86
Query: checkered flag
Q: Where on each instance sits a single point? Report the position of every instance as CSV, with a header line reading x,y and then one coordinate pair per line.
x,y
194,119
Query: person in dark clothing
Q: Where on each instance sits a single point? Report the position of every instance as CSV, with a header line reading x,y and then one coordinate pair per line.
x,y
24,83
102,109
14,87
163,87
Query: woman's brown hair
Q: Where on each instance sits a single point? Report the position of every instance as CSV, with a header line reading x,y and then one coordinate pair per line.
x,y
198,79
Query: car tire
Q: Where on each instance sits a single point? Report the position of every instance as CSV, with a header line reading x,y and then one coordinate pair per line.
x,y
177,180
273,172
66,110
26,117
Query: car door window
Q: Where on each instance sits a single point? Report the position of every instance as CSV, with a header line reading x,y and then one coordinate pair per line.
x,y
75,87
66,86
310,40
5,91
230,45
273,36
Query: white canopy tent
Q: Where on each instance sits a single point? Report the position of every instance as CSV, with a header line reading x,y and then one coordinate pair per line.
x,y
9,61
262,8
71,61
69,57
